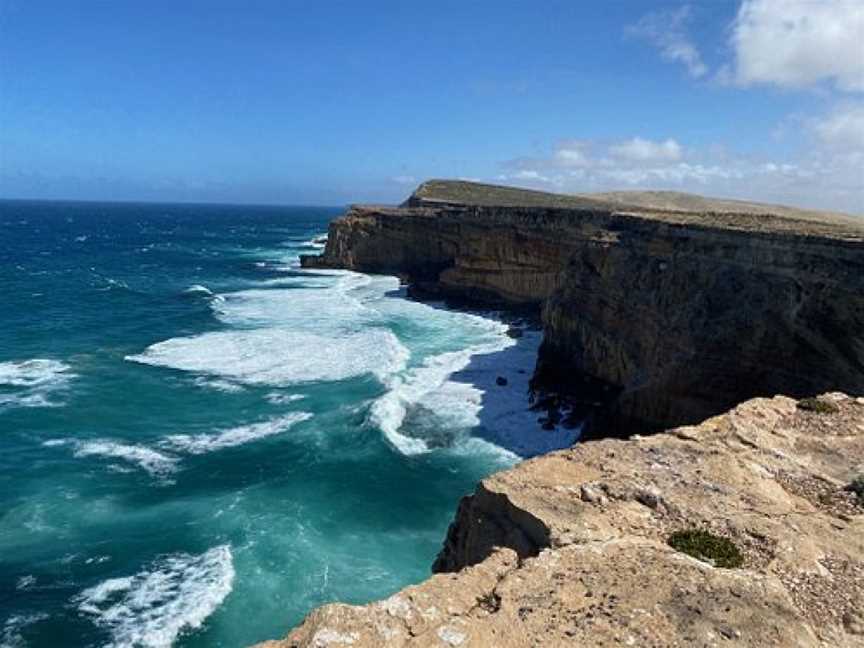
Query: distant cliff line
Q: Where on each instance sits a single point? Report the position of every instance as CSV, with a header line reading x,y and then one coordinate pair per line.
x,y
659,309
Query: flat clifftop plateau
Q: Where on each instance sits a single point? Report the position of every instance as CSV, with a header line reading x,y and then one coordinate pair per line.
x,y
659,309
668,206
744,530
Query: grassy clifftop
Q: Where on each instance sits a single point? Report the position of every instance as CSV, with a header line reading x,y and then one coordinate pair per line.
x,y
668,206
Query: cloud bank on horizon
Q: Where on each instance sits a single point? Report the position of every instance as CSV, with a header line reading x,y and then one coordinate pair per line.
x,y
793,45
333,102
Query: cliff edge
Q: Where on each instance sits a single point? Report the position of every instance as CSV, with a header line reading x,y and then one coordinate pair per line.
x,y
659,309
575,548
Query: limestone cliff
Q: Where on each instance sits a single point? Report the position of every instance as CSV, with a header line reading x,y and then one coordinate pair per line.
x,y
659,309
571,549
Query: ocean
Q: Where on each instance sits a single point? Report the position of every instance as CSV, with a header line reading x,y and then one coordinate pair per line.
x,y
200,441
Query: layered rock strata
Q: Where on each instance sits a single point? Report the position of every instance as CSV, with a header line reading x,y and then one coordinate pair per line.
x,y
570,549
653,316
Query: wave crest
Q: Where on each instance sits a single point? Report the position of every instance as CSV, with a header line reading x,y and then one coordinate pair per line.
x,y
152,608
203,443
33,383
279,357
151,461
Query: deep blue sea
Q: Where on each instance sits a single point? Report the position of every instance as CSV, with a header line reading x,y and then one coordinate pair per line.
x,y
200,442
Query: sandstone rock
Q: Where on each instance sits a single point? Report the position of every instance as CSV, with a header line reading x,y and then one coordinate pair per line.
x,y
533,560
592,495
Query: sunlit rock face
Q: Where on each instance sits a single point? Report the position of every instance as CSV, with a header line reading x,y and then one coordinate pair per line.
x,y
654,316
573,548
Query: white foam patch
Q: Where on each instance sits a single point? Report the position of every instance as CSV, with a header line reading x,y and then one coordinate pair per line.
x,y
225,386
150,609
332,325
152,461
502,413
33,383
277,398
198,289
458,392
297,308
13,626
203,443
280,357
425,385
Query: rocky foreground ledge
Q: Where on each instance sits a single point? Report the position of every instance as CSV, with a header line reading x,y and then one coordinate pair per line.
x,y
572,548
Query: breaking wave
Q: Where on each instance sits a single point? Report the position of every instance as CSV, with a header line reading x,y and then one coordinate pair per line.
x,y
13,626
33,383
279,357
203,443
150,609
151,461
419,385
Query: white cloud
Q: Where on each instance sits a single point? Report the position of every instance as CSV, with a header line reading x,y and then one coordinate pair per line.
x,y
572,153
404,179
786,43
799,43
842,129
530,175
643,150
827,175
666,30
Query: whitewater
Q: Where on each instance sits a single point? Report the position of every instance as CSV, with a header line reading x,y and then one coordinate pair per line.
x,y
201,441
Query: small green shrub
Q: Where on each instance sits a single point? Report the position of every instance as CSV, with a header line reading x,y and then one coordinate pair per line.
x,y
818,406
490,602
707,547
857,487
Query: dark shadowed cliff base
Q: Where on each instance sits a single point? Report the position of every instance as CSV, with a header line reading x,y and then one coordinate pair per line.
x,y
659,309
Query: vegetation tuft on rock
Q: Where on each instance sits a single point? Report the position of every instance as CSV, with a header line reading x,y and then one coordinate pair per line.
x,y
490,602
707,547
818,406
857,487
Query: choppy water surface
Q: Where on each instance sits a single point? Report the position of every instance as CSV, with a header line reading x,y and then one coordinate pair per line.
x,y
200,442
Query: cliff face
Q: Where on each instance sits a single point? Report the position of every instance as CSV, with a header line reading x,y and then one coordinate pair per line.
x,y
653,317
658,315
571,549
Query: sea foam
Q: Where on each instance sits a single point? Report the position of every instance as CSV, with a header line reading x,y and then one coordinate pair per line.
x,y
203,443
33,383
424,382
279,357
151,461
15,624
198,289
294,335
150,609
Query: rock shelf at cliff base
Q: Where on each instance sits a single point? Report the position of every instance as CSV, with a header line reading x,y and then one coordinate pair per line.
x,y
571,548
659,309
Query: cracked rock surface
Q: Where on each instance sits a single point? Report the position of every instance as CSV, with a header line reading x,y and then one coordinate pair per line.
x,y
569,549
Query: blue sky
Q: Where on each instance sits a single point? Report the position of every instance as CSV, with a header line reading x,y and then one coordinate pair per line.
x,y
333,102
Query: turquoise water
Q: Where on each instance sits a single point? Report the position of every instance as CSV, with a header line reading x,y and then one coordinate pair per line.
x,y
200,442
